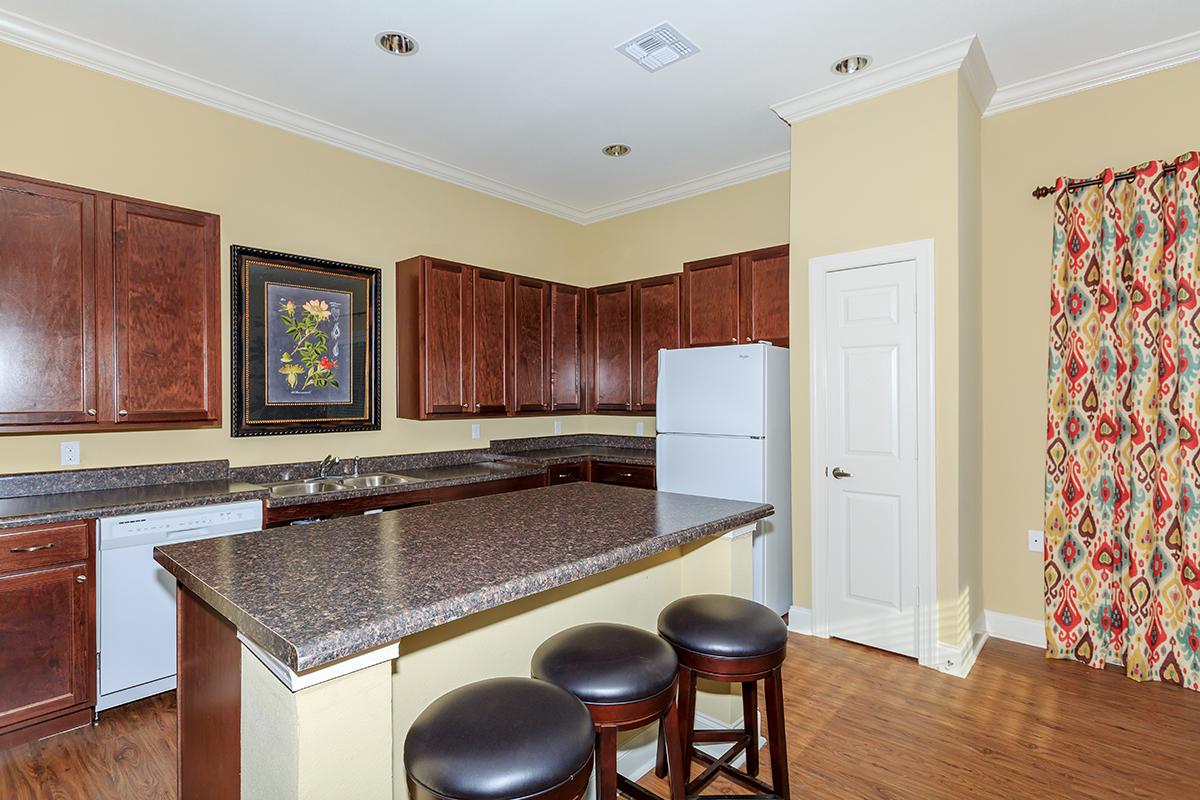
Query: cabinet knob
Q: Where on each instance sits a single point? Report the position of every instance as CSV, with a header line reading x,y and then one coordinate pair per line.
x,y
91,412
747,338
122,413
81,578
734,340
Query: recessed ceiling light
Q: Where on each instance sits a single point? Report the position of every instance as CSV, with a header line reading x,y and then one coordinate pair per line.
x,y
851,64
616,150
396,43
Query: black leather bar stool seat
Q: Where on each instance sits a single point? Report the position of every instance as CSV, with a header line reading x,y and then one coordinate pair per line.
x,y
500,739
627,678
732,640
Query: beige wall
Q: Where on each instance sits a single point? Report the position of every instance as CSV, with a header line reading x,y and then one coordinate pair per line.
x,y
885,171
1120,125
278,190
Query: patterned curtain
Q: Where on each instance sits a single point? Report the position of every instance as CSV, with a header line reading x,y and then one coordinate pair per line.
x,y
1122,553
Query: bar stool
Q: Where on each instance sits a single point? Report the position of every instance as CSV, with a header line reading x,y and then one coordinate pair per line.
x,y
627,679
500,739
731,640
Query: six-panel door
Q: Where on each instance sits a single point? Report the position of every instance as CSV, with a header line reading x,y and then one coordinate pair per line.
x,y
47,294
168,311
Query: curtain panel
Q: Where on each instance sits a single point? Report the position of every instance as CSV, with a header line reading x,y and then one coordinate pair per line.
x,y
1122,521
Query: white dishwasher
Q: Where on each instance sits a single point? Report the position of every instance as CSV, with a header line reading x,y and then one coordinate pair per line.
x,y
135,617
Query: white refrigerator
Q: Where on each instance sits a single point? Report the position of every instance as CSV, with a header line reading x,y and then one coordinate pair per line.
x,y
724,431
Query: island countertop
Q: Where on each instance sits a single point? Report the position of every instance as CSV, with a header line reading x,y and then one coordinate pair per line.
x,y
314,594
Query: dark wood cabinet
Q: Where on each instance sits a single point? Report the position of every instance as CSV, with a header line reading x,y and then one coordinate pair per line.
x,y
659,325
489,342
763,295
710,302
167,314
47,630
566,348
566,473
531,345
48,275
736,298
114,311
452,339
610,342
636,475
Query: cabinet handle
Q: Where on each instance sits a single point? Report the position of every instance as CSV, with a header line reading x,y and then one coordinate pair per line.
x,y
33,548
625,474
122,413
81,578
91,412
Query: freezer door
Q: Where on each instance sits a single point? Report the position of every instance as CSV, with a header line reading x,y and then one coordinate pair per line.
x,y
711,466
712,390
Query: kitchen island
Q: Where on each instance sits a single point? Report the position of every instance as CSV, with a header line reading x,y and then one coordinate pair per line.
x,y
306,652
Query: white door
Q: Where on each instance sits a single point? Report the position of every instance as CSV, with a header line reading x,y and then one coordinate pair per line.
x,y
871,455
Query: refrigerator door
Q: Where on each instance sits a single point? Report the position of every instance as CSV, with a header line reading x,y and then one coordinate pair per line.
x,y
729,467
712,390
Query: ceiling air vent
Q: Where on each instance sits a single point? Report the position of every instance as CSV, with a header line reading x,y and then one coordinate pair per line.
x,y
658,47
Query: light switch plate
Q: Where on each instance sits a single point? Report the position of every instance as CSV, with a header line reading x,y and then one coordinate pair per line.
x,y
474,430
1036,541
641,428
557,426
68,454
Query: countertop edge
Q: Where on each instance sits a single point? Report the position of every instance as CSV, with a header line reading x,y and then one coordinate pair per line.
x,y
450,609
97,512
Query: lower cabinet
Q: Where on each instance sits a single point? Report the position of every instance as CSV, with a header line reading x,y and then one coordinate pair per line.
x,y
566,473
47,630
639,476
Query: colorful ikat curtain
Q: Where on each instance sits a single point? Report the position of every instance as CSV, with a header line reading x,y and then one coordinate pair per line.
x,y
1122,551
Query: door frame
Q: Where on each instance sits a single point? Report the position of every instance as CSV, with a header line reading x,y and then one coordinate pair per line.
x,y
921,252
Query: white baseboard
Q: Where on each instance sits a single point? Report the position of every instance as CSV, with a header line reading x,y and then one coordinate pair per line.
x,y
958,658
800,620
1023,630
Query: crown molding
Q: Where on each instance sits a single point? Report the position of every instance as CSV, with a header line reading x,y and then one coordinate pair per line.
x,y
964,54
1119,67
770,165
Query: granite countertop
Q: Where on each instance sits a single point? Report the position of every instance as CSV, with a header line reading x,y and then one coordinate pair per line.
x,y
319,593
566,455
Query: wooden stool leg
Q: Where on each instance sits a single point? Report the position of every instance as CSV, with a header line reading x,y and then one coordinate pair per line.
x,y
660,761
606,763
687,717
750,716
674,747
776,733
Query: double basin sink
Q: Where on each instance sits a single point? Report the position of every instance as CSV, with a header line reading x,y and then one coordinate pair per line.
x,y
310,486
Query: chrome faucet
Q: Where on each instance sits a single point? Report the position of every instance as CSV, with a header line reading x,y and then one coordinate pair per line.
x,y
327,465
356,466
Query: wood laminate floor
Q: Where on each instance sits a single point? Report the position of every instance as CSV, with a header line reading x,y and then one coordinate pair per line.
x,y
861,724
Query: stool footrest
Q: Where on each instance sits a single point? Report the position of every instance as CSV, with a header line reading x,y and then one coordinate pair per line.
x,y
631,789
722,765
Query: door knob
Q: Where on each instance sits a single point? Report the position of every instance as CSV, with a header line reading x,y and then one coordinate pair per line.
x,y
840,473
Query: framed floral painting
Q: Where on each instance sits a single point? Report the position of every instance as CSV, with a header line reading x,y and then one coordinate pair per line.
x,y
305,344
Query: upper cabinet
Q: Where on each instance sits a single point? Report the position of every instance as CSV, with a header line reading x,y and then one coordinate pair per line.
x,y
658,326
452,333
531,345
736,298
113,309
566,347
610,344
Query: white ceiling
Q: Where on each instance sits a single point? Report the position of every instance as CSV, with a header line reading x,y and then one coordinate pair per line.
x,y
517,97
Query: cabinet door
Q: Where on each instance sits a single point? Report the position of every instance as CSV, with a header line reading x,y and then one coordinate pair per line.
x,y
658,327
763,295
531,344
636,475
565,473
47,653
611,335
566,348
710,302
490,312
47,301
446,299
166,266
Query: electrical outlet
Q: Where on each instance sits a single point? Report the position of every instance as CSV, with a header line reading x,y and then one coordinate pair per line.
x,y
68,454
557,426
641,428
1036,540
474,430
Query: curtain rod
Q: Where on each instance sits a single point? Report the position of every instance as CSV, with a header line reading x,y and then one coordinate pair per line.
x,y
1046,191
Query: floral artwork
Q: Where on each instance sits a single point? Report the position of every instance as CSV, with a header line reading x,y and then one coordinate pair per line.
x,y
307,361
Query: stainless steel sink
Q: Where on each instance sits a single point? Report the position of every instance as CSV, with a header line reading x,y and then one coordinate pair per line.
x,y
374,480
306,487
